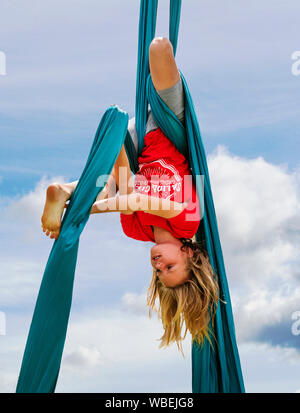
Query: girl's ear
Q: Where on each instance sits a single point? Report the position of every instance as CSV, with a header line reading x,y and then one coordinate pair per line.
x,y
189,252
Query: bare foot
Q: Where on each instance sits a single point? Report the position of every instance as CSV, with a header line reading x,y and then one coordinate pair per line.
x,y
57,195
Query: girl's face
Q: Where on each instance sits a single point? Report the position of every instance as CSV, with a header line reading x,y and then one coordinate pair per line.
x,y
170,263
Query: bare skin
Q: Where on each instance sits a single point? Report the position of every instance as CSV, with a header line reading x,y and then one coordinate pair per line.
x,y
166,256
168,259
56,197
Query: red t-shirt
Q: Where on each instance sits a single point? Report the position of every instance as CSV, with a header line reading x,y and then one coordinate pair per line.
x,y
163,172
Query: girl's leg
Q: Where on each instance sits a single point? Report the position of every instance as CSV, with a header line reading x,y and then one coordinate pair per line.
x,y
58,194
122,173
120,178
163,68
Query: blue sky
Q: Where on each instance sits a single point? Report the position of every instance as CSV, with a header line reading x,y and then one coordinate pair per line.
x,y
66,63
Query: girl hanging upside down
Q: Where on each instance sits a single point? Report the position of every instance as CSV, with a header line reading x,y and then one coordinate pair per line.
x,y
162,207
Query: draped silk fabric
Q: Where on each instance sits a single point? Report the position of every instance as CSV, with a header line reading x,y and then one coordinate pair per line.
x,y
214,368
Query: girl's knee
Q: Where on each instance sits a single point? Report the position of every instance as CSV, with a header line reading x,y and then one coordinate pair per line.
x,y
160,46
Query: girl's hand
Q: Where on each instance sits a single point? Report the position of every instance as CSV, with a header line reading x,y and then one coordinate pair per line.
x,y
128,212
94,209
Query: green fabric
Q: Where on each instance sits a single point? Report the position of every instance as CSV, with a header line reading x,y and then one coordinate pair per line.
x,y
213,369
217,368
146,34
45,343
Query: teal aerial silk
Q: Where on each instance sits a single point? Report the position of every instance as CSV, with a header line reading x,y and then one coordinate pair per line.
x,y
214,368
45,343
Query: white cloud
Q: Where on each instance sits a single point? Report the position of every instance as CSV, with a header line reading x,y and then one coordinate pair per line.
x,y
135,303
28,208
269,369
7,382
19,281
253,196
83,357
127,354
24,249
109,351
257,206
110,332
267,309
106,328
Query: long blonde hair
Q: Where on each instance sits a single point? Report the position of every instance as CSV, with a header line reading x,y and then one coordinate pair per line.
x,y
192,303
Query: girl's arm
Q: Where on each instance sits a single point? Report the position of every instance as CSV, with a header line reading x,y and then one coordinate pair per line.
x,y
128,204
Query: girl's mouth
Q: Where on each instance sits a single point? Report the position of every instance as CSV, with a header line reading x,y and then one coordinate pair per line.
x,y
155,258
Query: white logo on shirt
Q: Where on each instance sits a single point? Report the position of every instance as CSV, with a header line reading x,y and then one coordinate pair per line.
x,y
158,177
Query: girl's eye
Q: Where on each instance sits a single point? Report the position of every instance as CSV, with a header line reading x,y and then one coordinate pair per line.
x,y
170,266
